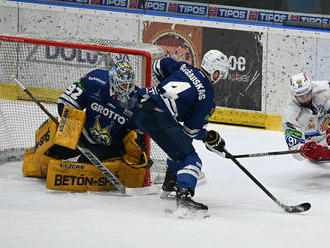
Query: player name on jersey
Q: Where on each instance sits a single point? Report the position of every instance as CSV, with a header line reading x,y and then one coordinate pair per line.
x,y
199,86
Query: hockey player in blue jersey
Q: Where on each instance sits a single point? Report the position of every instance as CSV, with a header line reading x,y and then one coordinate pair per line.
x,y
107,98
176,112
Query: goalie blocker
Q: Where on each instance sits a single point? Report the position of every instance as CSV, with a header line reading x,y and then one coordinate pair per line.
x,y
74,176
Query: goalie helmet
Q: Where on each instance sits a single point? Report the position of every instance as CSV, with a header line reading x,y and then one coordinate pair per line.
x,y
213,61
122,82
301,88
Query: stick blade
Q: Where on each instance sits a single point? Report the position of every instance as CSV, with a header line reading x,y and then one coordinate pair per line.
x,y
148,190
298,208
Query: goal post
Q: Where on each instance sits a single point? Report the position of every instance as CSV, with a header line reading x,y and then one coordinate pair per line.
x,y
47,65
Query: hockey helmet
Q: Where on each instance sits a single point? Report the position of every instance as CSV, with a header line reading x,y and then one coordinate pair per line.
x,y
301,88
122,80
213,61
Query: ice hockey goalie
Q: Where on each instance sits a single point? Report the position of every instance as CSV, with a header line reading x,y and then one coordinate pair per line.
x,y
55,157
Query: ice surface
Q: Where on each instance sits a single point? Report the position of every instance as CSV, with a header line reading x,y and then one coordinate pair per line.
x,y
241,215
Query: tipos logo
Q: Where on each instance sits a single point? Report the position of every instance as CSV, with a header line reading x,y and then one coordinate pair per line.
x,y
177,47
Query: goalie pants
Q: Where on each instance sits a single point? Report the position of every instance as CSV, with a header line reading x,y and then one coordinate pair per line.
x,y
116,149
169,135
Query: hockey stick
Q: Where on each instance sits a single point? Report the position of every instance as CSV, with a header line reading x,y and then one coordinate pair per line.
x,y
290,209
323,160
91,156
262,154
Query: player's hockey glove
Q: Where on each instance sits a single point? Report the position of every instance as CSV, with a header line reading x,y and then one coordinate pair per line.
x,y
328,136
215,143
314,151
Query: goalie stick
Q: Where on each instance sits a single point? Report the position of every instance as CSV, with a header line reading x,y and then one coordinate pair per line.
x,y
91,156
290,209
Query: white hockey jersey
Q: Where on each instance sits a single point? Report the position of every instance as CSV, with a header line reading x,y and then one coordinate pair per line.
x,y
301,124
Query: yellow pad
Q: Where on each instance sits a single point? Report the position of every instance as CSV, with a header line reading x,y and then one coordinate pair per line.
x,y
30,168
70,127
35,161
33,167
81,177
44,137
134,156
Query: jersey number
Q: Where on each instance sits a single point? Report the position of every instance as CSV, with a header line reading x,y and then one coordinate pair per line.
x,y
70,91
174,88
291,141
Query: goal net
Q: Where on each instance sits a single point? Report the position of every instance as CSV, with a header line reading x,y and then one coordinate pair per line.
x,y
48,65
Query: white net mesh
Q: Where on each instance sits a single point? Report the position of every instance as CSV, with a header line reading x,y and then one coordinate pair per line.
x,y
46,66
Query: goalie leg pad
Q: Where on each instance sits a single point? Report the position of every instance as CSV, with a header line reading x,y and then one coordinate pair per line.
x,y
35,161
70,127
44,137
73,176
81,177
33,168
30,168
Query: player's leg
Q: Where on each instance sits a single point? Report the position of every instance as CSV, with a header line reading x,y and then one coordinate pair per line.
x,y
170,184
186,165
187,180
183,162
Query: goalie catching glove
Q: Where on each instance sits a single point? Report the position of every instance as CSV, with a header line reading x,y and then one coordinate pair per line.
x,y
313,151
215,143
135,157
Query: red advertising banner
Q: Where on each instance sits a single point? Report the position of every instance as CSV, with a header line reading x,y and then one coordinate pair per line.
x,y
180,42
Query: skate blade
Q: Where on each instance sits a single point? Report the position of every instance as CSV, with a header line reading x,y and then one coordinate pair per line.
x,y
168,195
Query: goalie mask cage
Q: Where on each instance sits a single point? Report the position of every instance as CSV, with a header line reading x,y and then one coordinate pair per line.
x,y
46,66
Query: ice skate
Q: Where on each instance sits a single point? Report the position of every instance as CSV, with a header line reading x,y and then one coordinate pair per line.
x,y
169,186
187,207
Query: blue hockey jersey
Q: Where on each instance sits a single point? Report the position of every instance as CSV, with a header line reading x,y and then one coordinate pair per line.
x,y
106,121
185,93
